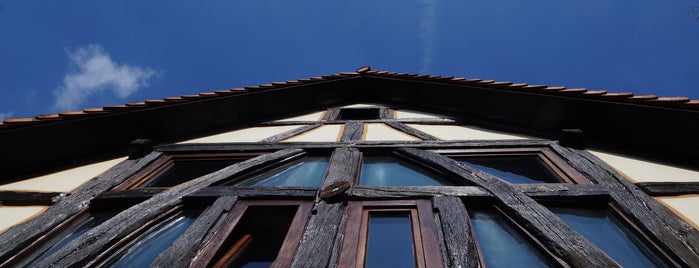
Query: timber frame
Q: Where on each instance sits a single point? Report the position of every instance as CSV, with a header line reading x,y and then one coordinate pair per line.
x,y
323,235
550,113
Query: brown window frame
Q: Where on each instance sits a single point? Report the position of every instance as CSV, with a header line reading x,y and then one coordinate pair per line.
x,y
425,238
287,250
166,162
552,160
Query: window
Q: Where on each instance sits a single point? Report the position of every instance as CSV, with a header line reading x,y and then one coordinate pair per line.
x,y
497,238
306,172
359,114
610,234
57,238
143,250
172,170
390,171
398,233
519,165
257,234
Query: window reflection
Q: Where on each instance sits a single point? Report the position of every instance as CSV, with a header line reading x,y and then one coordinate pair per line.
x,y
183,171
390,240
146,248
514,168
307,172
389,171
501,245
609,234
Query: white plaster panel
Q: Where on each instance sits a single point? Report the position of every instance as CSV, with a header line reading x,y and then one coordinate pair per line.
x,y
382,132
13,215
307,117
686,206
644,171
402,114
360,105
325,133
253,134
63,181
450,132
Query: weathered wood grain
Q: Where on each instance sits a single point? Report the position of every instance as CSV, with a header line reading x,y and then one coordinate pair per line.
x,y
408,192
256,192
185,248
83,249
551,231
669,188
16,198
458,236
322,238
412,131
352,132
671,233
291,133
19,236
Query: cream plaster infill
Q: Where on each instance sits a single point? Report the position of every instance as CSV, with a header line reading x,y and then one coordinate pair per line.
x,y
686,206
325,133
451,132
63,181
402,114
382,132
644,171
307,117
253,134
13,215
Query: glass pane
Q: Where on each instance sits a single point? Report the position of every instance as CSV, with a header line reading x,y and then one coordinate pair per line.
x,y
66,237
501,245
308,172
147,249
183,171
267,226
514,169
610,235
390,240
389,171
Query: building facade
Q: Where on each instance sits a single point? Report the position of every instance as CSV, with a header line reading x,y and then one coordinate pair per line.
x,y
357,169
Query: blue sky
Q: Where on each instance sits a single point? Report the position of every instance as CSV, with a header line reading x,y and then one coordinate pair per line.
x,y
74,54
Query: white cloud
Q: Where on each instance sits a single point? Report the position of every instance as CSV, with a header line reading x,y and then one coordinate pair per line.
x,y
428,21
93,71
6,115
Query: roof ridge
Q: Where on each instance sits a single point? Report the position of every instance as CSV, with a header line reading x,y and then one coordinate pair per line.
x,y
582,93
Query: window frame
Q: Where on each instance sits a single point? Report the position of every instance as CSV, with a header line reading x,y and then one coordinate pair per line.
x,y
425,237
286,253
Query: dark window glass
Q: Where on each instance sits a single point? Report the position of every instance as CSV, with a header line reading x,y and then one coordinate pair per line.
x,y
258,237
183,171
501,245
359,114
64,238
389,171
514,169
610,235
307,172
390,240
144,251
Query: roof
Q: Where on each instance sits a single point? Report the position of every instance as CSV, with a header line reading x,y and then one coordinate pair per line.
x,y
649,126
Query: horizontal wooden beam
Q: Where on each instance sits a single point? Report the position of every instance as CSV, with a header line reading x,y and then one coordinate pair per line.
x,y
669,188
16,198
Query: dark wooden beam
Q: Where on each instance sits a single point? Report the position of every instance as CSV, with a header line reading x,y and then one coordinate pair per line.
x,y
16,198
675,236
352,131
550,230
255,192
291,133
322,239
458,237
669,188
412,131
185,248
411,192
83,250
21,235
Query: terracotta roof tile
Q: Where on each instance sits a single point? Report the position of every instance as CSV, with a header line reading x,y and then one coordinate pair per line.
x,y
99,110
616,96
650,100
48,117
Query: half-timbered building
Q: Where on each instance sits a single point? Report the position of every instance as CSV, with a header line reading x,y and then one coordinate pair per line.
x,y
365,168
